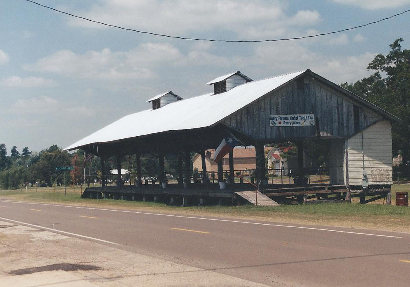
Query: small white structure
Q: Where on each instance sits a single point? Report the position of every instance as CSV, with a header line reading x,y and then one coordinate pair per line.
x,y
164,99
123,171
228,82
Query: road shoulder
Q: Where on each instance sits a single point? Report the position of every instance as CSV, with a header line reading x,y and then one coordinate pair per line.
x,y
34,257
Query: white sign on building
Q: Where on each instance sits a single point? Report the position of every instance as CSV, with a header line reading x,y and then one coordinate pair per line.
x,y
296,120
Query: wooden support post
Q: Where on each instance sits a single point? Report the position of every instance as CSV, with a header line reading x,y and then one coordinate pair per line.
x,y
161,171
260,163
103,173
348,197
180,170
363,196
187,168
220,170
231,168
204,171
300,178
119,180
184,201
300,158
139,173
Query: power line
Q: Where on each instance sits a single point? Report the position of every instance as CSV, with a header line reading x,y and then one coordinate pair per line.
x,y
217,40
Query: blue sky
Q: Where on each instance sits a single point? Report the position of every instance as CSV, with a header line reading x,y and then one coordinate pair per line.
x,y
62,79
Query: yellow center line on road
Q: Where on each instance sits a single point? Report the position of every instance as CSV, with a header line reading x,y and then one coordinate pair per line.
x,y
405,261
32,209
90,217
190,230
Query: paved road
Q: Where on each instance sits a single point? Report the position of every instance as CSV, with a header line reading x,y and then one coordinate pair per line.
x,y
257,251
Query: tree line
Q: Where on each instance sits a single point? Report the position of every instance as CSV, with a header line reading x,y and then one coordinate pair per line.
x,y
18,169
49,167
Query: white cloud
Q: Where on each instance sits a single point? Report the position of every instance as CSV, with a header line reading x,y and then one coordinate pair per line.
x,y
305,17
250,19
28,82
99,65
341,39
27,34
4,58
358,38
374,4
292,57
345,69
152,54
140,63
35,105
50,107
147,62
81,111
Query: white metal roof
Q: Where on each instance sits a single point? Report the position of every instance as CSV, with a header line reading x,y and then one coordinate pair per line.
x,y
196,112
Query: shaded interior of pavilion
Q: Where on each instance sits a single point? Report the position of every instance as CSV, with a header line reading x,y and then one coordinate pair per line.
x,y
181,145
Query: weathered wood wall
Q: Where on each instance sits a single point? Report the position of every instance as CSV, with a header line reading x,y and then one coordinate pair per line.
x,y
337,116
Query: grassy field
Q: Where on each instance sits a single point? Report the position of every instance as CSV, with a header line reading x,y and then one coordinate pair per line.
x,y
371,216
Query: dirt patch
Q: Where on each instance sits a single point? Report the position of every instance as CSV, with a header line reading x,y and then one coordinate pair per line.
x,y
34,234
55,267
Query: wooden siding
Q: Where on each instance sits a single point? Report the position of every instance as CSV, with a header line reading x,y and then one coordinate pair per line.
x,y
375,157
333,111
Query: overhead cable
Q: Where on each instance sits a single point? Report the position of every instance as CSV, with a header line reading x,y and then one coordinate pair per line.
x,y
217,40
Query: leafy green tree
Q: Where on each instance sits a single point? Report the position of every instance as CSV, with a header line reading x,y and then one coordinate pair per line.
x,y
389,88
44,170
13,177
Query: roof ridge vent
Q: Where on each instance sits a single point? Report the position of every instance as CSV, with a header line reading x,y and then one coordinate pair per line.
x,y
227,82
164,99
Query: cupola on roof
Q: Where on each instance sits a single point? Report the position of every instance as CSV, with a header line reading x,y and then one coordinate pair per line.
x,y
163,99
227,82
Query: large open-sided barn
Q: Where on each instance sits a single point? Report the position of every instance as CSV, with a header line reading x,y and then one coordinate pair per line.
x,y
296,107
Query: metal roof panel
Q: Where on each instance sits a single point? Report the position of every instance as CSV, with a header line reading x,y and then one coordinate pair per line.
x,y
197,112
